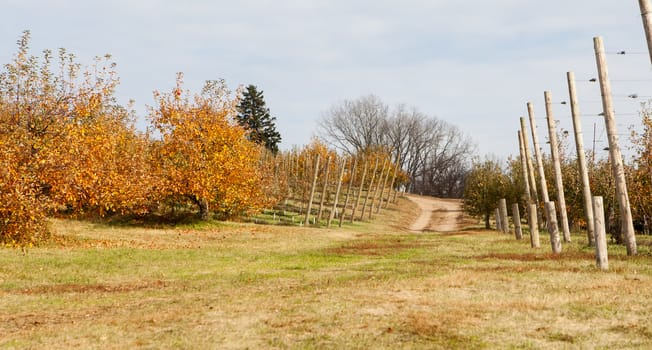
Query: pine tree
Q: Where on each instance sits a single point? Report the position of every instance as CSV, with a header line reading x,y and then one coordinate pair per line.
x,y
254,116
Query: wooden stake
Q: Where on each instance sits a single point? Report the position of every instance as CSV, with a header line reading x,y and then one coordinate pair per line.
x,y
516,217
552,227
325,189
337,193
373,199
391,185
357,202
526,175
382,189
581,159
533,196
627,226
504,221
499,224
534,227
371,185
601,256
348,190
646,14
556,163
312,191
537,153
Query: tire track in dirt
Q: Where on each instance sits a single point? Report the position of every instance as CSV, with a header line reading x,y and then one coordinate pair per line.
x,y
437,214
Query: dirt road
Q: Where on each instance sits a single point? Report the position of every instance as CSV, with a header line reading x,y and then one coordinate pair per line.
x,y
437,214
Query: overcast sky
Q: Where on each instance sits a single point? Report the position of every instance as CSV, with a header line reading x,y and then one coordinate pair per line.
x,y
473,63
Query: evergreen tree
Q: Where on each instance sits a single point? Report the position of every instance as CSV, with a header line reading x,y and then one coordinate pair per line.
x,y
254,116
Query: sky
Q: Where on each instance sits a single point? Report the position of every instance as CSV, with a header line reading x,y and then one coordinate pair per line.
x,y
474,63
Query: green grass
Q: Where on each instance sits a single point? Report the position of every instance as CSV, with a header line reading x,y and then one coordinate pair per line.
x,y
368,285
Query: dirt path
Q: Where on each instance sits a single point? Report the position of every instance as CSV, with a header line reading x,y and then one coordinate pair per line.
x,y
438,214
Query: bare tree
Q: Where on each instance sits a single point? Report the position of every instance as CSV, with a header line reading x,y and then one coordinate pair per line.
x,y
432,152
354,125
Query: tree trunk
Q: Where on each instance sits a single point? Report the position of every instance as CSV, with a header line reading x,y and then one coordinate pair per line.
x,y
202,204
487,216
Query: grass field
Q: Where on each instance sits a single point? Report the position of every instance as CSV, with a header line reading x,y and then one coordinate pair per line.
x,y
365,286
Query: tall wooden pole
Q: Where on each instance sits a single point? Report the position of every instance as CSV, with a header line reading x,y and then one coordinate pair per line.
x,y
312,191
529,206
348,190
627,226
537,153
382,189
581,158
526,175
646,14
357,201
322,198
331,215
371,185
375,196
556,163
530,168
391,185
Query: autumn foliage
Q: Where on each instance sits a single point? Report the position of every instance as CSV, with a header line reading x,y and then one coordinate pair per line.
x,y
68,148
203,156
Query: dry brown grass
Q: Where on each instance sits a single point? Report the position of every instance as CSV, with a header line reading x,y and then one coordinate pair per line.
x,y
369,285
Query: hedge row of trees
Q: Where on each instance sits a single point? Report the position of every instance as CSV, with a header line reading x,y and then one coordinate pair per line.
x,y
489,180
68,148
307,179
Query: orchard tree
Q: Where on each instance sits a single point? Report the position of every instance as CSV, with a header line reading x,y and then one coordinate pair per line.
x,y
486,184
254,116
204,155
42,111
640,182
106,168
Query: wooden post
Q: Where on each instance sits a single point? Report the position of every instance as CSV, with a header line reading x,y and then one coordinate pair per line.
x,y
601,256
516,217
646,13
371,185
552,227
325,189
357,202
337,193
375,196
305,182
312,191
526,175
556,163
391,184
382,189
537,153
581,158
528,159
504,221
627,226
524,166
534,227
499,224
348,190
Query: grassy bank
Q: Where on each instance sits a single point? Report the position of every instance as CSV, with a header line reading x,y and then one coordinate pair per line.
x,y
364,286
